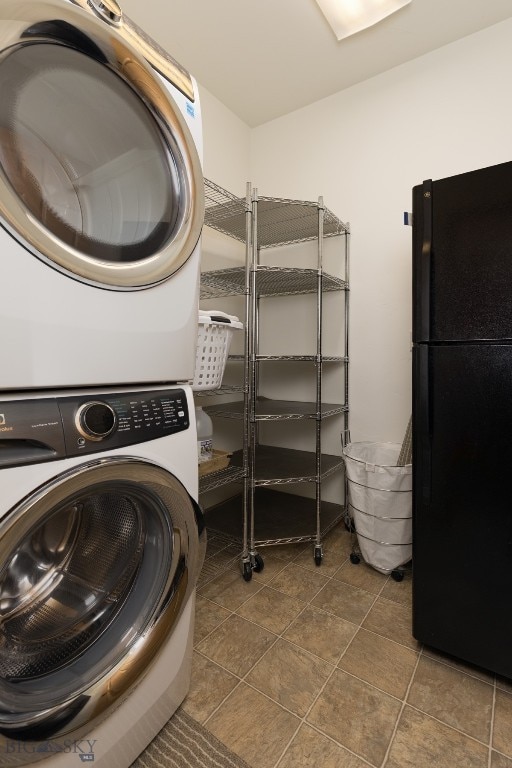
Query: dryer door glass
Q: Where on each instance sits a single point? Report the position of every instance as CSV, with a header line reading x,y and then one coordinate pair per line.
x,y
87,158
94,573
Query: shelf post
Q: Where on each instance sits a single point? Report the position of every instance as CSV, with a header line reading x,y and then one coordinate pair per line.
x,y
247,376
253,350
319,318
346,421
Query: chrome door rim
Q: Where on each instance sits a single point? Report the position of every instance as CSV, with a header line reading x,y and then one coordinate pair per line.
x,y
29,23
94,701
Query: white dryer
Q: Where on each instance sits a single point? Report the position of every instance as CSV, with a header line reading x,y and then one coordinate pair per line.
x,y
101,200
101,544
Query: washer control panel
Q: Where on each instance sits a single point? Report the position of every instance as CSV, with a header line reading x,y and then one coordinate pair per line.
x,y
37,430
115,420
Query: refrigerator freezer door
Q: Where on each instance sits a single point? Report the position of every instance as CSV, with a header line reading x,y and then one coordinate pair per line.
x,y
462,502
462,257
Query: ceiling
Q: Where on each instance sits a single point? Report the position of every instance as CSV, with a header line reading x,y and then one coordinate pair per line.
x,y
265,58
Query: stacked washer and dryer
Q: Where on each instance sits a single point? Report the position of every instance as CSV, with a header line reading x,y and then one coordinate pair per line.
x,y
101,535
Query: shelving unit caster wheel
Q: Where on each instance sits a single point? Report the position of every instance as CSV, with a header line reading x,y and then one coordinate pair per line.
x,y
258,564
397,575
354,558
247,571
319,555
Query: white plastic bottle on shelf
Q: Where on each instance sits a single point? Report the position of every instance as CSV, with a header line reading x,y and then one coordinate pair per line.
x,y
204,436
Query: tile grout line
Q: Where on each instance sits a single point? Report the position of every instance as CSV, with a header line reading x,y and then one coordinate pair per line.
x,y
303,720
221,704
389,639
333,741
395,729
447,725
491,734
223,621
423,655
370,685
463,670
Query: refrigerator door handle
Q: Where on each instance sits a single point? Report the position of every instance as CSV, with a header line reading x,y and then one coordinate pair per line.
x,y
422,427
425,263
422,258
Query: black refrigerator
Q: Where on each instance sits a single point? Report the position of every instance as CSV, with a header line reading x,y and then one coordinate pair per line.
x,y
462,416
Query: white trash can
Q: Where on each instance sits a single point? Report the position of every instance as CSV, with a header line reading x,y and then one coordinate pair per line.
x,y
380,503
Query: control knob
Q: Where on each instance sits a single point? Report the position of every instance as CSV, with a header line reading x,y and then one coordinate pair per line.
x,y
96,420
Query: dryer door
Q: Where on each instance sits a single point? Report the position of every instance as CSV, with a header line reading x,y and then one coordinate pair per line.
x,y
95,569
99,173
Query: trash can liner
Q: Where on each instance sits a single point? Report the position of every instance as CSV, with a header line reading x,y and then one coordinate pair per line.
x,y
376,502
380,503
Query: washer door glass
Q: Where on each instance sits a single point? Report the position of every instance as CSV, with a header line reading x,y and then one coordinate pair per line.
x,y
95,570
89,162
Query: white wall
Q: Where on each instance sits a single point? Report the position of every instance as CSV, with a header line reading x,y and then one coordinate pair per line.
x,y
363,149
226,144
226,162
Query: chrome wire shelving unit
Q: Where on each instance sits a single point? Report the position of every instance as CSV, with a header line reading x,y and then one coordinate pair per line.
x,y
265,223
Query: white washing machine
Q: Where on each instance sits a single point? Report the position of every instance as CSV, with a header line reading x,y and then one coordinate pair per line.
x,y
101,544
101,200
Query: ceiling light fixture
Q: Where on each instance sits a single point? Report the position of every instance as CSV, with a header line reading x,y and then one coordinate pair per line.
x,y
347,17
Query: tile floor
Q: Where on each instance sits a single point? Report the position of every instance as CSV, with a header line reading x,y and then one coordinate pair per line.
x,y
316,666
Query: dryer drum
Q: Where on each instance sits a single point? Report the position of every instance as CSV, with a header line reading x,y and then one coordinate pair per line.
x,y
91,566
105,184
99,173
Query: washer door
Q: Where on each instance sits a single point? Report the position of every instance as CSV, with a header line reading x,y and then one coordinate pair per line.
x,y
99,173
95,569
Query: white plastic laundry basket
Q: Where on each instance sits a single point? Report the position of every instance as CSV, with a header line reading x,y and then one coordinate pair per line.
x,y
214,334
380,502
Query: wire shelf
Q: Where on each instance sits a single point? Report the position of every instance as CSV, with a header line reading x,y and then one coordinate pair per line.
x,y
224,211
280,221
291,358
222,477
283,222
226,389
270,281
276,410
283,466
282,518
